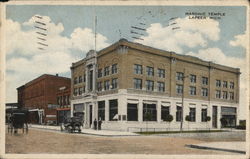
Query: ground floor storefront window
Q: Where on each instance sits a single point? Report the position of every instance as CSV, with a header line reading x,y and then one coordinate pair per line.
x,y
149,112
228,117
132,112
113,110
101,110
164,112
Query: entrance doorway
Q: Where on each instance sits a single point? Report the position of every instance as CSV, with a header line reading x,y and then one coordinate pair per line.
x,y
90,115
214,117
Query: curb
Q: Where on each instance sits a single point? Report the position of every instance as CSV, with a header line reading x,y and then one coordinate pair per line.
x,y
213,148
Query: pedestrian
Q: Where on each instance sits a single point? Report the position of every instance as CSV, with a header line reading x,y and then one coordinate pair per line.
x,y
95,124
100,124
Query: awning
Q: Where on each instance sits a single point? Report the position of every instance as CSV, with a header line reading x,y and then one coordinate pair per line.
x,y
133,101
167,104
192,105
149,102
61,109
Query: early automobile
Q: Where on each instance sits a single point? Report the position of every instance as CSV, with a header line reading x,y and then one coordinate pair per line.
x,y
18,119
72,124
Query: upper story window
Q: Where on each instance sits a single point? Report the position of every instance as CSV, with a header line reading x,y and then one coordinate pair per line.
x,y
204,80
137,83
179,89
106,71
192,90
114,68
99,73
99,86
231,95
150,71
231,85
80,79
217,94
161,86
204,92
80,90
106,85
137,69
224,84
114,83
218,83
149,85
75,91
193,78
224,96
84,78
161,73
75,80
179,76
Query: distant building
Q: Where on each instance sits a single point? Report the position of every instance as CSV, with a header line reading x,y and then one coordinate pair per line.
x,y
63,100
40,97
126,81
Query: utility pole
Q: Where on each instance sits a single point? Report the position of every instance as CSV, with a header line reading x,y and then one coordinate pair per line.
x,y
182,99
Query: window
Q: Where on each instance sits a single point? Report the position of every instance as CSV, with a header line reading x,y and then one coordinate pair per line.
x,y
83,89
192,90
106,85
179,76
192,78
149,85
204,80
150,71
192,114
75,91
99,73
101,110
84,78
80,90
178,113
132,112
80,79
113,110
218,83
137,69
137,83
231,95
224,84
99,86
217,94
224,96
204,92
204,115
161,86
161,73
164,112
179,89
149,112
75,80
114,83
114,68
106,71
231,86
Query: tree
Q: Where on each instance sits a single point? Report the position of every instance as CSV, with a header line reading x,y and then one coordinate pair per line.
x,y
187,118
208,118
169,118
223,122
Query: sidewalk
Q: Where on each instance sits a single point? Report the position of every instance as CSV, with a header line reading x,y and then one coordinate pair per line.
x,y
236,147
88,131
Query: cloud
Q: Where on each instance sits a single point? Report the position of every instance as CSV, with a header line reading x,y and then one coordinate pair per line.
x,y
26,62
191,33
239,40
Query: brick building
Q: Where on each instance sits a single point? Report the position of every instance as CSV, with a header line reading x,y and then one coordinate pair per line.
x,y
124,82
40,97
63,101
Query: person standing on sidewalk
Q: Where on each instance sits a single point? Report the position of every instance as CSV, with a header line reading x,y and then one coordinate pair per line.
x,y
95,124
100,124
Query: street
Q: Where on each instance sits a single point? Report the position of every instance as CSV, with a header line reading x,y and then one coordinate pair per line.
x,y
49,141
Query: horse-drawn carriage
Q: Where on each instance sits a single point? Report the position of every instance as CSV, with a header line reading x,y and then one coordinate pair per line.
x,y
18,119
72,124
